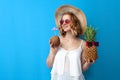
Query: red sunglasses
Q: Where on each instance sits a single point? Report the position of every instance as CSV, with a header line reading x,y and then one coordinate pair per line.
x,y
67,21
92,43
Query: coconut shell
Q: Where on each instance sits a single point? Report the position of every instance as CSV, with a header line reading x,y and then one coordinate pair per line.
x,y
55,40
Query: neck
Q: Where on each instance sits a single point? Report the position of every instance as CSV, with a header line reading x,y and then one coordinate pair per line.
x,y
70,36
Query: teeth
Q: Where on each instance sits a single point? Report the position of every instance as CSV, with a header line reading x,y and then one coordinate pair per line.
x,y
64,26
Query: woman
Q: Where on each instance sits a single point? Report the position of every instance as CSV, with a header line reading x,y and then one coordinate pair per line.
x,y
66,60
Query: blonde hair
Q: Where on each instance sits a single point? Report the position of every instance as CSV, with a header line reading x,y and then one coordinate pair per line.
x,y
75,27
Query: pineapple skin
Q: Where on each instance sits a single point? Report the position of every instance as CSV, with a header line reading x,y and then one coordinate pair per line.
x,y
90,53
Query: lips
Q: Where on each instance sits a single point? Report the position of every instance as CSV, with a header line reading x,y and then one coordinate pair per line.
x,y
64,27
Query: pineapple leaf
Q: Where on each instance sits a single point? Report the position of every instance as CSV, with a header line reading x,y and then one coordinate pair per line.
x,y
90,34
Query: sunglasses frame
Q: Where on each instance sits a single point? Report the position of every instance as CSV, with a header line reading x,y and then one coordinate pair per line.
x,y
90,44
67,21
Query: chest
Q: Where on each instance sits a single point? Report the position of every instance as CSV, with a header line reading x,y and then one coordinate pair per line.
x,y
72,54
70,45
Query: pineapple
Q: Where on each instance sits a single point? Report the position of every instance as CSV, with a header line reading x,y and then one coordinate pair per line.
x,y
90,50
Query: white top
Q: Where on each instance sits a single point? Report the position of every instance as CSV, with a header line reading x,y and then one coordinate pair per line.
x,y
68,61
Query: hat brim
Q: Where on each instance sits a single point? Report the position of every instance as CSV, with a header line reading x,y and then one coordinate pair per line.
x,y
77,12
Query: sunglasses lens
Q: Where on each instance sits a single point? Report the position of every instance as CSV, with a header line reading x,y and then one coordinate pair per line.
x,y
61,22
90,44
67,21
96,43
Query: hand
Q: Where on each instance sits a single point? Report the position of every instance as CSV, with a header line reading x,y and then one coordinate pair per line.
x,y
89,61
53,50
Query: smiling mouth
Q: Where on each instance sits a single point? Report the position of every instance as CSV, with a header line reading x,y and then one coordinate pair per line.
x,y
65,27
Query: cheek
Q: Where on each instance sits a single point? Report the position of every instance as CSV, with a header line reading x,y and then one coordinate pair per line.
x,y
69,25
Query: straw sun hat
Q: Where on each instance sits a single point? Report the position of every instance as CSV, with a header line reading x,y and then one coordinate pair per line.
x,y
77,12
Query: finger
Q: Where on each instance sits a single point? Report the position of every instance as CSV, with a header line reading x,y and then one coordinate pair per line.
x,y
51,44
88,61
93,61
52,47
85,59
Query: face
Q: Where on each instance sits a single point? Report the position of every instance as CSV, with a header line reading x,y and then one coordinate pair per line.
x,y
66,22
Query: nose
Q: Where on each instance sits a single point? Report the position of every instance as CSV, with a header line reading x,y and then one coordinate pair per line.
x,y
64,23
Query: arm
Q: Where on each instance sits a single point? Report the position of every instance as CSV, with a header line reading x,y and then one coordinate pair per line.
x,y
51,56
85,64
50,60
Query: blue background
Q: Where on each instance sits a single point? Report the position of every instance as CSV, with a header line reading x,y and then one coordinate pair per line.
x,y
25,29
